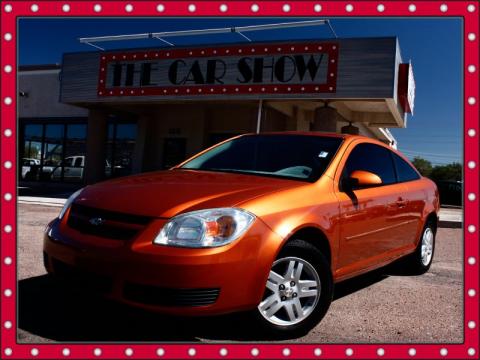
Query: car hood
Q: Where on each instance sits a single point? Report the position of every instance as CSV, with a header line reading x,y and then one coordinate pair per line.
x,y
167,193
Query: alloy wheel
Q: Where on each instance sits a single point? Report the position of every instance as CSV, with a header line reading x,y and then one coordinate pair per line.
x,y
292,292
427,246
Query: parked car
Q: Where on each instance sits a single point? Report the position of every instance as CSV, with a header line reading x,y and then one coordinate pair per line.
x,y
261,223
74,167
27,165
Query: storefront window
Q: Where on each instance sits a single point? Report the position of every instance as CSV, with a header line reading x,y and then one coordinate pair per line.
x,y
54,152
120,148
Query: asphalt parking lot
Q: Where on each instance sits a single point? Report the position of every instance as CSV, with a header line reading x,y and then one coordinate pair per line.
x,y
384,306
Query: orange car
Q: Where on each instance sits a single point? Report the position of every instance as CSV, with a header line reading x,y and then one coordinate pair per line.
x,y
262,223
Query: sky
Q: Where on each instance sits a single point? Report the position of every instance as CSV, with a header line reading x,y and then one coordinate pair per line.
x,y
433,45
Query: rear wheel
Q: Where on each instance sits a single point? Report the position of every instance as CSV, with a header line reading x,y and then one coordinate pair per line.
x,y
298,291
420,261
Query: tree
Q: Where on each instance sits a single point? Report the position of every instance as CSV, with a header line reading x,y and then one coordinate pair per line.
x,y
449,172
423,166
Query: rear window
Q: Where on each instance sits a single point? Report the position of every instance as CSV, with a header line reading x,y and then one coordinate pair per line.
x,y
404,171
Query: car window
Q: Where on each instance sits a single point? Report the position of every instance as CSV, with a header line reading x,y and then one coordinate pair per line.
x,y
78,162
373,158
296,157
68,162
404,171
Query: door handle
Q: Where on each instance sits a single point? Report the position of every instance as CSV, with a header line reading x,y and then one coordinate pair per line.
x,y
401,203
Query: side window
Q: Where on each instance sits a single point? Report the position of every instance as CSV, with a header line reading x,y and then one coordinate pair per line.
x,y
68,162
404,171
78,162
373,158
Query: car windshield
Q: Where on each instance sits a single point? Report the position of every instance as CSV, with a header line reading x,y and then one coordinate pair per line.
x,y
297,157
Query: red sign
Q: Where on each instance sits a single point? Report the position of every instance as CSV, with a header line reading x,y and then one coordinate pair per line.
x,y
297,68
406,87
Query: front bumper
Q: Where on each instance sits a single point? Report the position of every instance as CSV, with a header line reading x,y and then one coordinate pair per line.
x,y
162,278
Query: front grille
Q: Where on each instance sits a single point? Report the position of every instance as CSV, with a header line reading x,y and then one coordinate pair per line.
x,y
115,225
152,295
81,279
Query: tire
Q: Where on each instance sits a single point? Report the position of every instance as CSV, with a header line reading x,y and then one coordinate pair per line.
x,y
419,263
288,310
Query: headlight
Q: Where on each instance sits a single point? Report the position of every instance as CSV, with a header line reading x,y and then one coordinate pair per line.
x,y
205,228
69,203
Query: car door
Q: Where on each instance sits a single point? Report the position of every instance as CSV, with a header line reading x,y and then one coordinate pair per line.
x,y
414,197
367,215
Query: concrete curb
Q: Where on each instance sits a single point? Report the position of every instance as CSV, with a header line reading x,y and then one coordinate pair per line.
x,y
35,200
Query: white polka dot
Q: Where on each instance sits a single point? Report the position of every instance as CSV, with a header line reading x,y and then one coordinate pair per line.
x,y
223,8
160,8
34,352
8,351
7,292
8,259
380,8
7,36
349,7
443,352
349,352
472,100
160,352
286,8
97,352
443,8
7,68
7,196
412,8
192,8
471,260
412,352
66,8
97,8
192,352
317,352
471,197
255,8
380,352
471,228
7,132
8,8
223,352
8,324
471,292
471,132
8,100
286,352
8,228
129,352
471,324
8,164
471,36
66,352
255,352
129,8
471,164
317,8
471,8
471,68
471,351
34,8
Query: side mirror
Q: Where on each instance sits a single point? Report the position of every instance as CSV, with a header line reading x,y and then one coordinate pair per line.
x,y
365,178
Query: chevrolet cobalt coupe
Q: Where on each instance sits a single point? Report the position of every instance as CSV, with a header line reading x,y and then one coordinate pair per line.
x,y
260,223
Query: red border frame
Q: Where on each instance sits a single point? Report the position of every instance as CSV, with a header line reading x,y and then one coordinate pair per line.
x,y
330,86
470,347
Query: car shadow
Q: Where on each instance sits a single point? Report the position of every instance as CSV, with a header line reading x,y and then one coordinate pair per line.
x,y
48,310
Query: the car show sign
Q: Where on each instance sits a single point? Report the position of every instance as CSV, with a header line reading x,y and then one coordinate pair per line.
x,y
298,68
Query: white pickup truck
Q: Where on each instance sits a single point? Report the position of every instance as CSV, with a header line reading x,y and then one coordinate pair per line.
x,y
74,167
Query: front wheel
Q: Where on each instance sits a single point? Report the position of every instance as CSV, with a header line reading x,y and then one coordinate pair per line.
x,y
298,291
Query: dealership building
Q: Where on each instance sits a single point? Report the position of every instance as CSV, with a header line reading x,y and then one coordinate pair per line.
x,y
102,114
